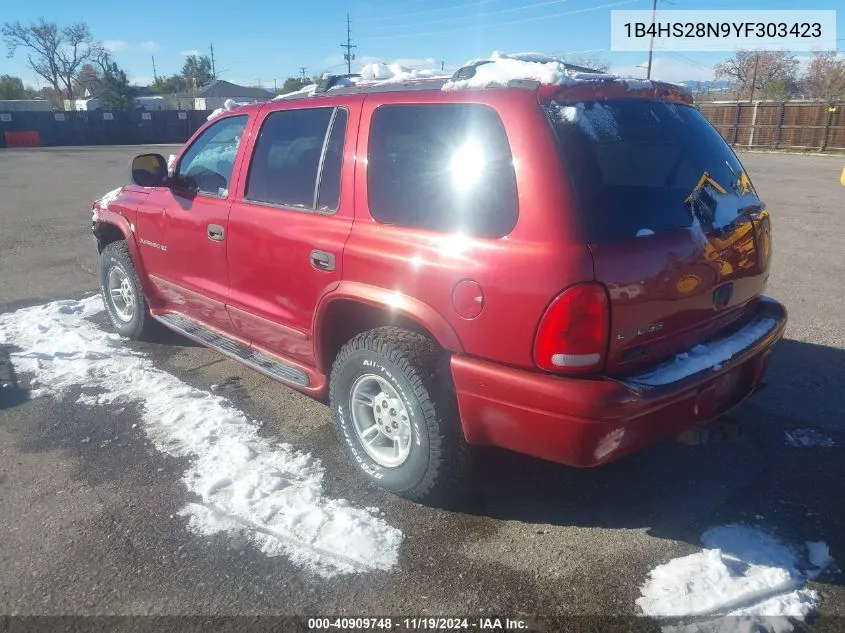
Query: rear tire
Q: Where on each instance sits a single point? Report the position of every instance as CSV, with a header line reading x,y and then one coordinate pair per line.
x,y
122,293
396,386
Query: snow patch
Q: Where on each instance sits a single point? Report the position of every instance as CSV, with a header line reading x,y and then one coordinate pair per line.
x,y
706,356
743,571
596,121
228,106
808,438
104,202
387,73
244,483
503,68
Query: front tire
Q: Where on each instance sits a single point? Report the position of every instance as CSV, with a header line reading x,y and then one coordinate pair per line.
x,y
394,410
121,292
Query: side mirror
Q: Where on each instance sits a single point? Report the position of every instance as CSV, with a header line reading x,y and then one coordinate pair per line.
x,y
149,170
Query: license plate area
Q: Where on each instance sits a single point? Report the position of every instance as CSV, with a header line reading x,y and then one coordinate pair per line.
x,y
724,392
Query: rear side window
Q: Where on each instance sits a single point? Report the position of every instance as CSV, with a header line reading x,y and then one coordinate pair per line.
x,y
441,167
297,159
643,167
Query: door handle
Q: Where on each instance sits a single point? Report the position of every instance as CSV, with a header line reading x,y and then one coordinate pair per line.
x,y
215,232
321,260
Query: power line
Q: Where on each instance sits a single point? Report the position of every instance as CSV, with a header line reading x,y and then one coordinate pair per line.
x,y
428,12
348,55
508,23
481,15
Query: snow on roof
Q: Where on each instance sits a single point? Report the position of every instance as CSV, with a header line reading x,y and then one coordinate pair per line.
x,y
502,68
496,71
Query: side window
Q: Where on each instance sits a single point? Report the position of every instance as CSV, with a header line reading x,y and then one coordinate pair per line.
x,y
207,164
442,167
286,164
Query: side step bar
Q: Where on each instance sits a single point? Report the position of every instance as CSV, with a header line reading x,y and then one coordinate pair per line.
x,y
253,358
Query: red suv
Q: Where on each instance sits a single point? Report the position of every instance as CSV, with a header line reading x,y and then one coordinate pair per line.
x,y
572,271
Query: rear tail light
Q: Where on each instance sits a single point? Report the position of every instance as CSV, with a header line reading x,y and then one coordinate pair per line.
x,y
573,333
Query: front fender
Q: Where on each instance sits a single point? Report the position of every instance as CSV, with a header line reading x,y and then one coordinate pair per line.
x,y
108,221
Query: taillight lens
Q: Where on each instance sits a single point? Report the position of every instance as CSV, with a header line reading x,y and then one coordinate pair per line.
x,y
573,332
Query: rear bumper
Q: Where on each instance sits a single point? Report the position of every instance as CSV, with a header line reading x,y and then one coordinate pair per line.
x,y
591,421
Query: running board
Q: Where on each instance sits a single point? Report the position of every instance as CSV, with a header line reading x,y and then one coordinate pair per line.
x,y
253,358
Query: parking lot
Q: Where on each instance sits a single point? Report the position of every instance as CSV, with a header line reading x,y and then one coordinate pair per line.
x,y
91,523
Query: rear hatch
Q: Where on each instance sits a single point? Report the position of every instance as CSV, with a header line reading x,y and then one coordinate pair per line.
x,y
677,232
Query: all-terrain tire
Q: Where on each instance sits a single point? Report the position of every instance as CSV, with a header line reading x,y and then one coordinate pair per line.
x,y
115,257
418,370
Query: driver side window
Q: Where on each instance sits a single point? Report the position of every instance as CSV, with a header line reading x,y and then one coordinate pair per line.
x,y
207,165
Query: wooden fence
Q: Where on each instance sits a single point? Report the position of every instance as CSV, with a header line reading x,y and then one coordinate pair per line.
x,y
796,125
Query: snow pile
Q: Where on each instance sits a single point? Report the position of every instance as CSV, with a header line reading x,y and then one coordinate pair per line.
x,y
743,572
707,356
244,483
808,438
228,106
387,73
546,69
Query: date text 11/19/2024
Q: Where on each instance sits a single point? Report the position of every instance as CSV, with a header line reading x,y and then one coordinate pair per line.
x,y
416,624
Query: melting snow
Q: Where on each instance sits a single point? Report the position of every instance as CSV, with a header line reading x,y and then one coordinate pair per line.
x,y
228,106
703,357
808,438
742,572
273,493
595,121
545,69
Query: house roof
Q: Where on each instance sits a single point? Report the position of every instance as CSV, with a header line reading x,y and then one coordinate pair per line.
x,y
220,88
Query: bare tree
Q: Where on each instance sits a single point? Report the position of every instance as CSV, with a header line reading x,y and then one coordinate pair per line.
x,y
766,72
825,77
53,53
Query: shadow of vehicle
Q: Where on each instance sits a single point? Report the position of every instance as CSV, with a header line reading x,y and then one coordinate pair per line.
x,y
11,393
676,491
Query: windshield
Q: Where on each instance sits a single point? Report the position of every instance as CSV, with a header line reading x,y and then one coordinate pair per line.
x,y
645,167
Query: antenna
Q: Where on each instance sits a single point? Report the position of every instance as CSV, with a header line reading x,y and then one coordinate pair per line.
x,y
349,55
213,66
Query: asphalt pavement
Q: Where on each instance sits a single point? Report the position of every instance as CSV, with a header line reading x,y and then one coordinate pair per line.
x,y
92,527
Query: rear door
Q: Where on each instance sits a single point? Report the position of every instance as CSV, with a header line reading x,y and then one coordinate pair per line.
x,y
183,229
677,232
288,227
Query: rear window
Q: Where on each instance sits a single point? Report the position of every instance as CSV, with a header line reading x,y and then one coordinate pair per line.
x,y
442,167
644,167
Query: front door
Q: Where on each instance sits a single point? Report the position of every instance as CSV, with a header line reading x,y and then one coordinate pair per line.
x,y
184,227
288,227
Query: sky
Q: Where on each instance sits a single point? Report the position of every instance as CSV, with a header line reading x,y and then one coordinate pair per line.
x,y
265,41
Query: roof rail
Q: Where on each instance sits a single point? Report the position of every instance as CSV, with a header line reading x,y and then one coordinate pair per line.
x,y
468,71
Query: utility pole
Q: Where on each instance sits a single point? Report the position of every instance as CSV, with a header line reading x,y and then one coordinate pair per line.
x,y
155,76
349,55
651,43
213,66
302,74
754,77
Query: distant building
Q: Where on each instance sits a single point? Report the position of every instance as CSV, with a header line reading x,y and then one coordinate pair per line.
x,y
213,95
25,105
